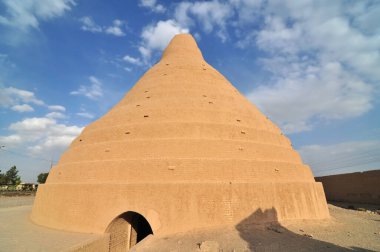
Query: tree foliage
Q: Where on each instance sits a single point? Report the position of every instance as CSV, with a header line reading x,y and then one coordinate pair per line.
x,y
2,178
41,178
10,177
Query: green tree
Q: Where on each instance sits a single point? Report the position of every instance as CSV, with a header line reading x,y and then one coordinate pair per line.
x,y
11,177
41,179
2,178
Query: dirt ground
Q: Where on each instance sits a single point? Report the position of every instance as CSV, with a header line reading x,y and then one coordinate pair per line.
x,y
18,233
348,230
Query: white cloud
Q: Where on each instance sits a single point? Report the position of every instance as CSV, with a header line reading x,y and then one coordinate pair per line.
x,y
116,29
22,108
152,5
57,108
146,53
92,91
209,14
40,136
32,124
321,66
56,115
342,158
88,24
157,36
33,143
29,13
132,60
11,97
86,115
10,140
299,97
366,17
247,11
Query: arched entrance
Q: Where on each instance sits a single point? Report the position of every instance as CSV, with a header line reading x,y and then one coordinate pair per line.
x,y
126,230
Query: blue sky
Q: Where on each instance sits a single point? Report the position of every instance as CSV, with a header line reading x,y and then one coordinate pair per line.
x,y
310,66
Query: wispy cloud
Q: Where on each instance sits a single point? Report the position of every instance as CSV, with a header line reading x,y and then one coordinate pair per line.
x,y
28,14
209,14
313,79
342,157
85,114
56,115
18,99
116,29
88,24
152,5
157,36
132,60
22,108
57,108
40,135
92,91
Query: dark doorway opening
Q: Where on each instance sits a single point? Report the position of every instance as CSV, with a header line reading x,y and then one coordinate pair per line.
x,y
126,230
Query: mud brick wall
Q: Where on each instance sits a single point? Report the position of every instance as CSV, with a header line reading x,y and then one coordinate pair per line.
x,y
358,187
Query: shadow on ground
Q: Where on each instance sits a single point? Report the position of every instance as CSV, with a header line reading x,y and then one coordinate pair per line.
x,y
280,239
355,206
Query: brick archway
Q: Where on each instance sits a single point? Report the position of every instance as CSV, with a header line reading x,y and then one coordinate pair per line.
x,y
126,230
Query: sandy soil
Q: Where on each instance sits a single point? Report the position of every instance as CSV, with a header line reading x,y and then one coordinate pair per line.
x,y
16,201
348,230
18,233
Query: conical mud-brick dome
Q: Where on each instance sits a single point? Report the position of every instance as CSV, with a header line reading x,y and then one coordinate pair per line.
x,y
182,150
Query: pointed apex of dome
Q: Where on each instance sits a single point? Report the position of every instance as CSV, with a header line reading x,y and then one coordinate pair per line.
x,y
182,47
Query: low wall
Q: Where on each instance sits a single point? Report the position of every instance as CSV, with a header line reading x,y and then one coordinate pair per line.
x,y
358,187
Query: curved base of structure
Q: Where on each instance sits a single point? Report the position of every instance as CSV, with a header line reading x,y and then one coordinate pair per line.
x,y
176,207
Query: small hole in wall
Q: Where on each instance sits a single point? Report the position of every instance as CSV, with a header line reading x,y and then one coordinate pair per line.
x,y
204,95
164,74
167,64
243,132
241,148
107,150
127,133
146,116
238,120
80,140
146,91
204,69
210,102
147,97
138,105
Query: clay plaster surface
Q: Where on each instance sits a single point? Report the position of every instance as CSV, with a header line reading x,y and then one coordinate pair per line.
x,y
185,145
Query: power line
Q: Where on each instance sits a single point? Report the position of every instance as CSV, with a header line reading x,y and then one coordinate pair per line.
x,y
352,162
343,157
349,166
